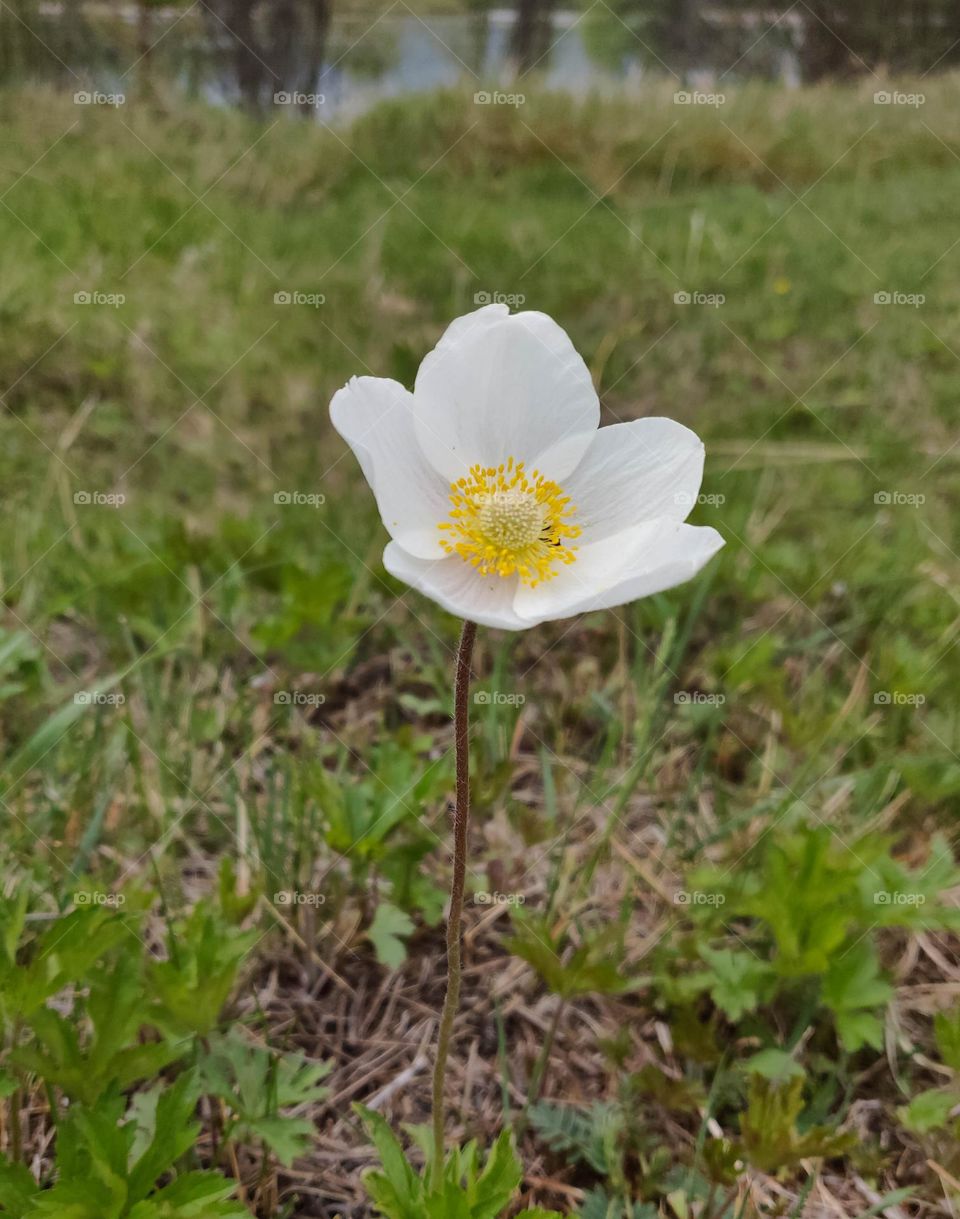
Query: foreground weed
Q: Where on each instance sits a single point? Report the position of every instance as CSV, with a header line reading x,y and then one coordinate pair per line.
x,y
469,1185
125,1046
636,1167
807,910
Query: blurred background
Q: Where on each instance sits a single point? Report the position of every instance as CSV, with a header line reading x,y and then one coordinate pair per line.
x,y
242,52
712,966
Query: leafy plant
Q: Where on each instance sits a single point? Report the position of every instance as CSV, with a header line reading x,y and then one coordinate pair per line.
x,y
588,1136
806,910
388,932
193,984
84,1065
570,965
32,972
939,1108
620,1143
109,1158
97,1020
769,1133
472,1186
599,1205
256,1084
308,624
375,823
364,815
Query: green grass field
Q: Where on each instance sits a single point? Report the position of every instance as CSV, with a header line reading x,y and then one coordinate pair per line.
x,y
781,737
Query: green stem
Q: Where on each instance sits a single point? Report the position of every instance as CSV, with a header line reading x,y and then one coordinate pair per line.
x,y
539,1069
16,1132
461,821
16,1103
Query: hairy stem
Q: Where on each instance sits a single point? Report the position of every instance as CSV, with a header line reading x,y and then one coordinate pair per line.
x,y
461,821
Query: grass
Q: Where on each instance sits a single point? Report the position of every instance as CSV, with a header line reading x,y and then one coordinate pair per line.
x,y
198,399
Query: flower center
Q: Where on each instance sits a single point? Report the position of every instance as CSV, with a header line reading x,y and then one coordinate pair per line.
x,y
503,521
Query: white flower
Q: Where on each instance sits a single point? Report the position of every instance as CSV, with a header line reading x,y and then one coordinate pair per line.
x,y
505,503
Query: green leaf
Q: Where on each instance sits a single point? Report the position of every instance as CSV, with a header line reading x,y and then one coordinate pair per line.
x,y
113,1053
772,1140
196,1195
256,1083
76,1200
774,1064
891,1199
583,1136
287,1137
929,1110
174,1133
852,988
297,1079
194,983
17,1189
599,1205
63,954
946,1030
499,1180
397,1190
857,1029
387,933
595,966
449,1202
13,917
739,980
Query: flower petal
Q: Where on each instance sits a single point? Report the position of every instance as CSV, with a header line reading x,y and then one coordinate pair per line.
x,y
374,417
458,587
502,385
635,472
637,562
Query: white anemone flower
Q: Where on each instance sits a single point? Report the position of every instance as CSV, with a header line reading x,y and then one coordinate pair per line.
x,y
506,503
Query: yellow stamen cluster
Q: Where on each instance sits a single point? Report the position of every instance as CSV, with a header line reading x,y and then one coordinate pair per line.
x,y
503,520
